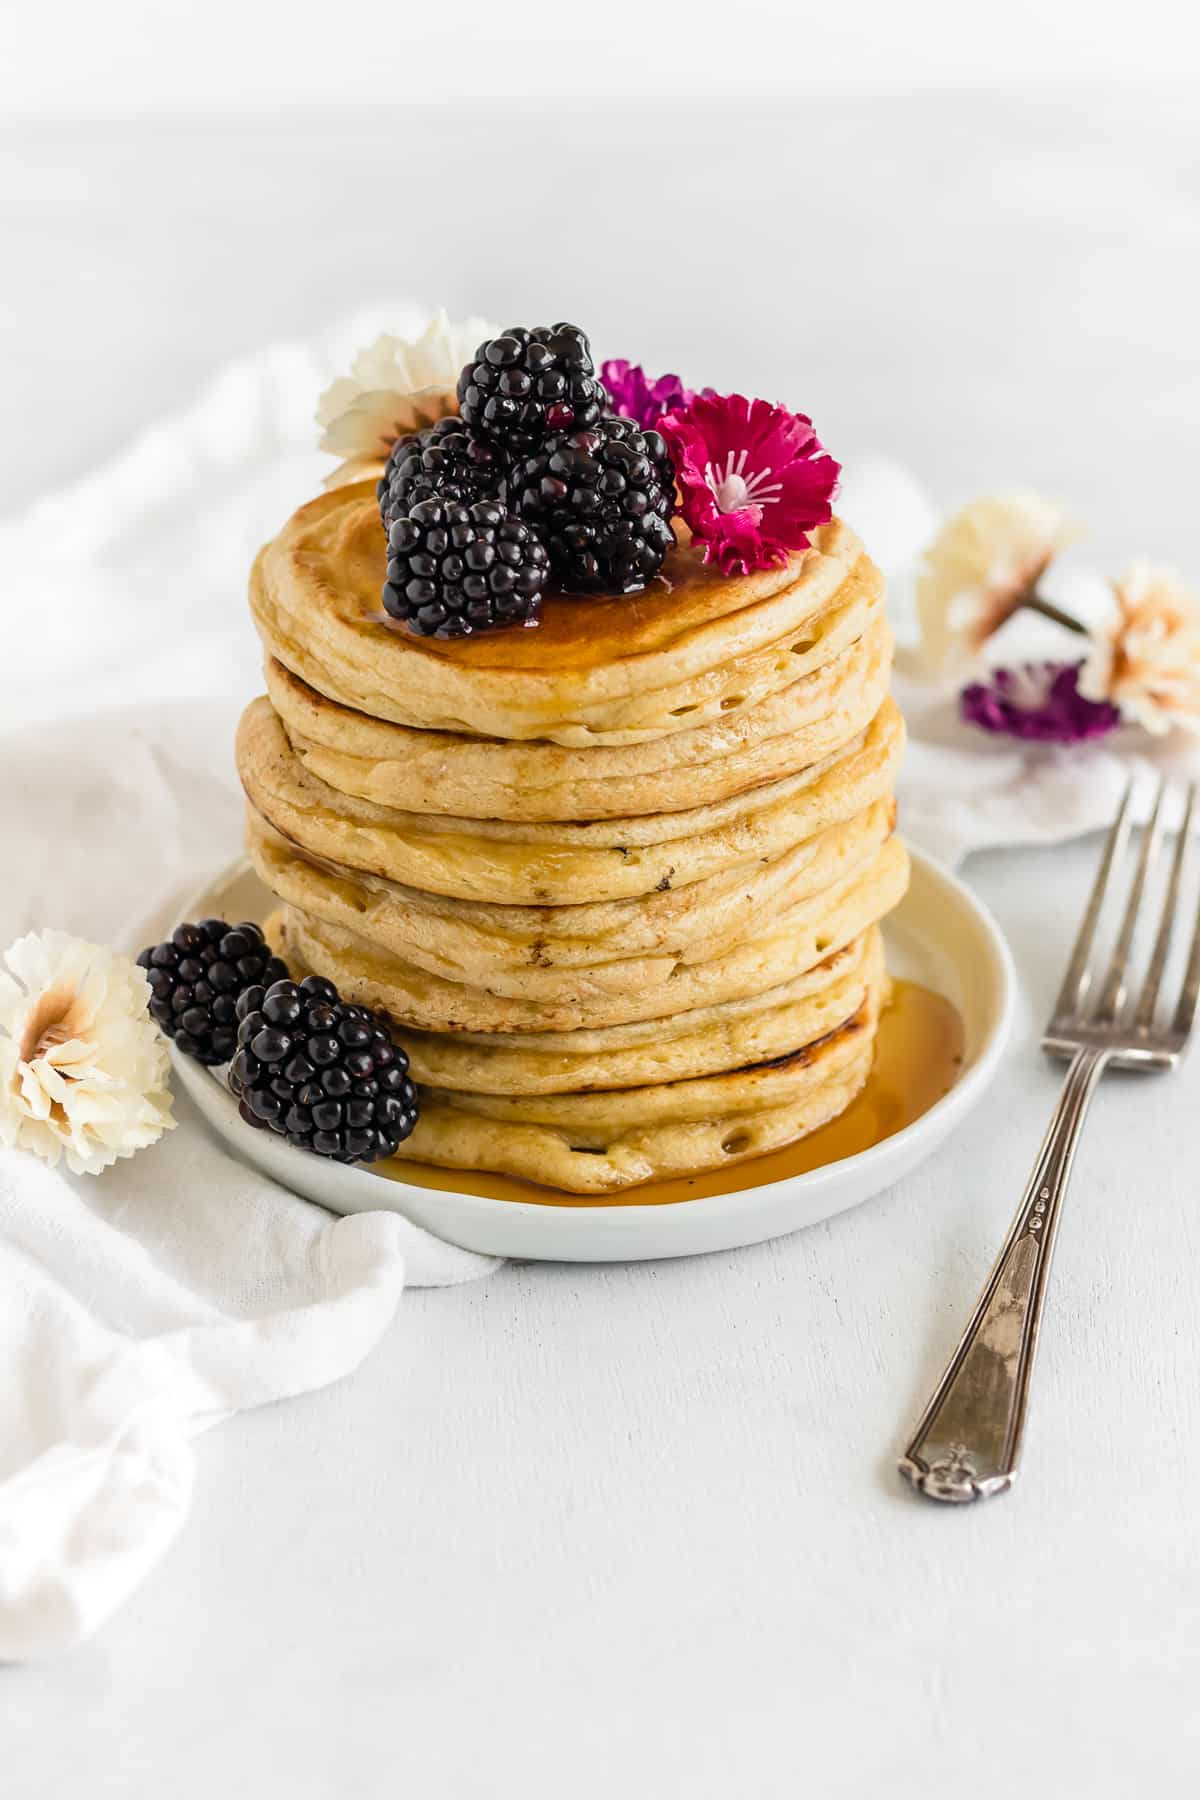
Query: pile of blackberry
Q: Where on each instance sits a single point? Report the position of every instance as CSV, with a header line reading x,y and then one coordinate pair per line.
x,y
602,498
535,480
524,385
323,1074
196,978
443,463
454,570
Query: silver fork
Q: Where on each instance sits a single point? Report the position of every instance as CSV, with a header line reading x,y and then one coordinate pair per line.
x,y
967,1445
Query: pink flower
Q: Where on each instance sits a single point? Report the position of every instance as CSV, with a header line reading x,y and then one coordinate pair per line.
x,y
634,396
754,479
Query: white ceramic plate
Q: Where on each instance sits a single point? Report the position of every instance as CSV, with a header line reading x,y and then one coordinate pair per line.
x,y
939,935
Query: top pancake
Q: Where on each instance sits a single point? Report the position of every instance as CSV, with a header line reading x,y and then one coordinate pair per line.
x,y
595,671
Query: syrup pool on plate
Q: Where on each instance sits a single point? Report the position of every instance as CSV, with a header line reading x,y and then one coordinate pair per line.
x,y
918,1056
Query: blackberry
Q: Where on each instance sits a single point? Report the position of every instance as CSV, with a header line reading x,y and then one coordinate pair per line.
x,y
442,463
453,570
195,980
524,385
602,499
324,1075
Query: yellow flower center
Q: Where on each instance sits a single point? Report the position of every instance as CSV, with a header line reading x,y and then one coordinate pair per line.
x,y
55,1018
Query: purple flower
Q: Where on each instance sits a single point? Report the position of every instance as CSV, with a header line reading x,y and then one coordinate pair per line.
x,y
635,396
1039,702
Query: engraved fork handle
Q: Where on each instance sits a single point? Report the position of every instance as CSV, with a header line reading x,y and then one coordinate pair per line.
x,y
967,1445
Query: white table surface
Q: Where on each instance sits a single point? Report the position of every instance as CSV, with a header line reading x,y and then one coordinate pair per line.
x,y
636,1529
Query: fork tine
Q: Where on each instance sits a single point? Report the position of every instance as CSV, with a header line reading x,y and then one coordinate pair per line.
x,y
1185,1012
1075,981
1148,999
1112,994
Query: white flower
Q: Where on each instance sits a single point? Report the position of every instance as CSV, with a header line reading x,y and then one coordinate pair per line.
x,y
83,1068
1145,658
394,387
983,563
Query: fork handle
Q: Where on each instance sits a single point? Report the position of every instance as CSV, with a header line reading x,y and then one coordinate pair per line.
x,y
967,1445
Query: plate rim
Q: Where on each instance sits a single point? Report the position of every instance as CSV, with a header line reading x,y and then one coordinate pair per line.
x,y
626,1217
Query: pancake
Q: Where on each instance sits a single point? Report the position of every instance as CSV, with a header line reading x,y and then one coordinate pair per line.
x,y
706,1041
755,1087
524,949
517,864
446,772
787,946
597,1159
726,1035
601,670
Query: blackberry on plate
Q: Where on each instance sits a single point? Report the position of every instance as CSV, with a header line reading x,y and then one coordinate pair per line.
x,y
453,570
602,500
195,980
442,463
323,1074
524,384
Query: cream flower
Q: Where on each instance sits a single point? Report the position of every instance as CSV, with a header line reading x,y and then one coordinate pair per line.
x,y
1145,658
395,387
83,1068
983,563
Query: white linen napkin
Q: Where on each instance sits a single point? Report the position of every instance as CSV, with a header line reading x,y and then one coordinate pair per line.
x,y
141,1306
136,1310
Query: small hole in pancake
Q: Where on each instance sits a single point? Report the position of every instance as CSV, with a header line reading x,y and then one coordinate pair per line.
x,y
731,700
680,710
822,946
802,646
740,1141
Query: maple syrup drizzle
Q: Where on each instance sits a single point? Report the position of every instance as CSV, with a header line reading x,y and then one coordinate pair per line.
x,y
574,632
918,1057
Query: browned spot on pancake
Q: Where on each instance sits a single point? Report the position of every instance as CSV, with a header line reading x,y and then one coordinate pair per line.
x,y
800,1059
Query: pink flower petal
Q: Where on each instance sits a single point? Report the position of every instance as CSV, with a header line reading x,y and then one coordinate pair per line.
x,y
754,479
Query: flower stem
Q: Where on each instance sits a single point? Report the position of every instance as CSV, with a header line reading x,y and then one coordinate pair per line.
x,y
1048,610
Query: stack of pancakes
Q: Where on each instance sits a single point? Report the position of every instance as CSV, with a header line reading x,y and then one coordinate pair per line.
x,y
616,879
